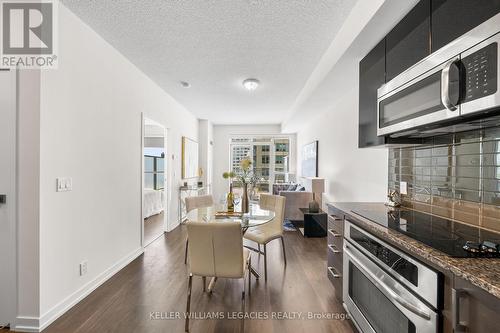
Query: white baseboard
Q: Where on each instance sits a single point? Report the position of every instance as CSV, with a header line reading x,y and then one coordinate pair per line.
x,y
171,227
38,324
26,324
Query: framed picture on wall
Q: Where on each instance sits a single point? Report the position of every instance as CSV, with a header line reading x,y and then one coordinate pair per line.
x,y
309,160
189,158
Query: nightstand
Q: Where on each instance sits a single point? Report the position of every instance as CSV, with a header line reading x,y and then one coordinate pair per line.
x,y
315,224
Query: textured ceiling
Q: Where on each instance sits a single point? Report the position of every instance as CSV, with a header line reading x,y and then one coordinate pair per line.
x,y
215,44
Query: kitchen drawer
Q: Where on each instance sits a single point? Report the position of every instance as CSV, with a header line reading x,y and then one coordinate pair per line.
x,y
335,212
335,258
336,279
336,224
335,238
475,310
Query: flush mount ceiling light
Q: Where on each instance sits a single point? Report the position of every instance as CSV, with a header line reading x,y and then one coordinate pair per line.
x,y
251,84
185,84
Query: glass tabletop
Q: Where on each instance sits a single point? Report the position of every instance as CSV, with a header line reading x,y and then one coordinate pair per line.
x,y
255,217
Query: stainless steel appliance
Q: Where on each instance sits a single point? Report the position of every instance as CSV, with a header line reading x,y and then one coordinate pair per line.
x,y
457,83
384,289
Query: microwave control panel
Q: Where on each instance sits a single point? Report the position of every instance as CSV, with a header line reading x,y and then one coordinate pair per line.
x,y
481,73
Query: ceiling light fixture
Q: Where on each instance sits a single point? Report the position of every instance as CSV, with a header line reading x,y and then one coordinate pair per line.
x,y
251,84
185,84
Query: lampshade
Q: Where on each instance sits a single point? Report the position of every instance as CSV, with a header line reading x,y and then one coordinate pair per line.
x,y
317,185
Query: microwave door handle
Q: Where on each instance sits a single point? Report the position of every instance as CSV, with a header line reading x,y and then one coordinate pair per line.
x,y
445,86
394,296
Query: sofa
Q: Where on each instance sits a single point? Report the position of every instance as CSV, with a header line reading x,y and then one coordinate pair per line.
x,y
298,196
294,201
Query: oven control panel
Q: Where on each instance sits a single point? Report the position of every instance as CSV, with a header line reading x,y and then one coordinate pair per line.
x,y
480,73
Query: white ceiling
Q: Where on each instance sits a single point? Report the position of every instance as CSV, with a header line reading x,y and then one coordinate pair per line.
x,y
335,79
215,44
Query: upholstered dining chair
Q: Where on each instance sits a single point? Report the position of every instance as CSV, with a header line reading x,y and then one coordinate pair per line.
x,y
216,250
270,231
192,203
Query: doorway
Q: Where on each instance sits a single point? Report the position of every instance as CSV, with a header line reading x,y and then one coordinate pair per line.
x,y
154,189
8,225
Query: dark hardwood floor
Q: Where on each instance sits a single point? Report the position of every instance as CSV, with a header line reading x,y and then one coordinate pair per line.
x,y
153,227
157,282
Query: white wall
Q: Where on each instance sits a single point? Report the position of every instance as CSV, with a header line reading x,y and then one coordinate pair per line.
x,y
222,135
28,240
205,147
90,130
8,186
351,174
327,107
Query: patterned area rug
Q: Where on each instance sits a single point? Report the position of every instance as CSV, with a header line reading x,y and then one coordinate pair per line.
x,y
288,226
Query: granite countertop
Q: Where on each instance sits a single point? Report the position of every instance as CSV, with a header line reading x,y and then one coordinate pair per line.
x,y
481,272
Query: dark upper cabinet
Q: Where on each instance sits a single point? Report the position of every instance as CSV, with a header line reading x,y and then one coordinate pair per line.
x,y
430,25
371,77
453,18
409,41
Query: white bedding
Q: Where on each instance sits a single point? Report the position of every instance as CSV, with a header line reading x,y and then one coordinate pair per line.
x,y
153,202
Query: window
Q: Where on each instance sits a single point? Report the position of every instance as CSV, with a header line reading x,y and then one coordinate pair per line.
x,y
154,172
239,153
282,147
270,159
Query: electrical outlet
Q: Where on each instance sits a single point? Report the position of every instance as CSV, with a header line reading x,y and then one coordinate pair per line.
x,y
403,188
83,268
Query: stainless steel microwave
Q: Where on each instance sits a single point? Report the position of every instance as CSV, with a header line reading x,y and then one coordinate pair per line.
x,y
454,83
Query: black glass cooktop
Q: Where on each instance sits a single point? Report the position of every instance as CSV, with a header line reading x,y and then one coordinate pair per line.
x,y
439,233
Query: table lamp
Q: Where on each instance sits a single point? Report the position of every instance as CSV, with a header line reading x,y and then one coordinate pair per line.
x,y
317,187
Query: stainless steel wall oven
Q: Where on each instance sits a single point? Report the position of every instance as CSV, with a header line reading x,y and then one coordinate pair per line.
x,y
384,289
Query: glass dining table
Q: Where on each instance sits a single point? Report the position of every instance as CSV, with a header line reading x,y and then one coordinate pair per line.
x,y
256,216
216,213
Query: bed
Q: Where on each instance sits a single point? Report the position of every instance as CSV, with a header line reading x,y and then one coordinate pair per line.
x,y
153,202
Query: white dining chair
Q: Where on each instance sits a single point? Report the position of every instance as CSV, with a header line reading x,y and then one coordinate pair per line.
x,y
270,231
193,203
216,250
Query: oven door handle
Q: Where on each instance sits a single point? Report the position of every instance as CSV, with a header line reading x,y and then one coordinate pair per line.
x,y
394,296
445,86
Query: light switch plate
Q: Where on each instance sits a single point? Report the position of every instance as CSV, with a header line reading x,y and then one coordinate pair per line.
x,y
403,188
64,184
69,184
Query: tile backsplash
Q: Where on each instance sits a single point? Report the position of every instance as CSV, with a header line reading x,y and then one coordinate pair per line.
x,y
456,176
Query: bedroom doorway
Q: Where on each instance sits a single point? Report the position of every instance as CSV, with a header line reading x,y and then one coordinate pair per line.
x,y
154,192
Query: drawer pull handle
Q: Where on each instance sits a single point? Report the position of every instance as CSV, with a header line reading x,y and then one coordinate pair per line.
x,y
334,249
334,273
334,233
335,218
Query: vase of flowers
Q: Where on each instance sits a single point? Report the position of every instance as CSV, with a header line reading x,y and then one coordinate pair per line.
x,y
244,199
246,175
